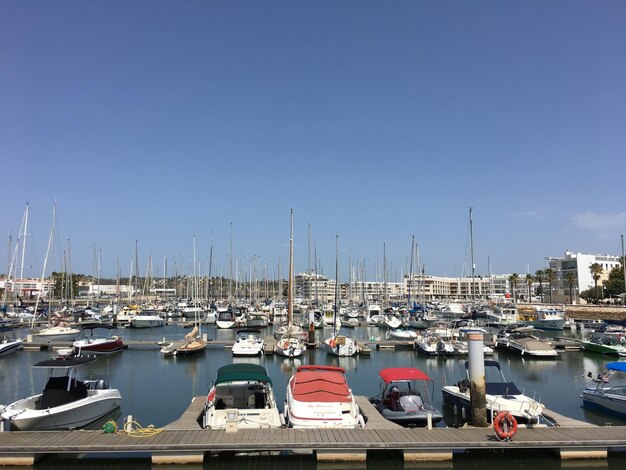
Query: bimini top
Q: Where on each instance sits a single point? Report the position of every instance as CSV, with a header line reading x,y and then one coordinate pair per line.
x,y
618,366
397,374
488,363
320,384
239,372
64,362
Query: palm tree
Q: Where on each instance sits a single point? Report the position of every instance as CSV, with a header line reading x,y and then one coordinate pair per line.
x,y
571,280
529,282
539,278
513,282
596,273
550,277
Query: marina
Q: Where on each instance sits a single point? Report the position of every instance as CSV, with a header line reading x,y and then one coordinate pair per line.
x,y
158,391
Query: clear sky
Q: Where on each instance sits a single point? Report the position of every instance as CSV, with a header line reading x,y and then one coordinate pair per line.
x,y
159,120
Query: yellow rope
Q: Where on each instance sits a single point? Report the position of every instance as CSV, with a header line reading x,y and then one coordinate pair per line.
x,y
134,429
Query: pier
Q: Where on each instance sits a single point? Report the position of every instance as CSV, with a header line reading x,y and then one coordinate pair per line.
x,y
183,441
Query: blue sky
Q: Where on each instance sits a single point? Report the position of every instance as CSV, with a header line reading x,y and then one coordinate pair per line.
x,y
159,120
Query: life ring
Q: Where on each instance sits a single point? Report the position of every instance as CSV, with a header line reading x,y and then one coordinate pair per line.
x,y
505,426
285,345
332,343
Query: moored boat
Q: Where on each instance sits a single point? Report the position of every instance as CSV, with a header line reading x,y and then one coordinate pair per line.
x,y
501,395
241,397
405,397
66,402
248,343
319,397
93,343
605,398
8,342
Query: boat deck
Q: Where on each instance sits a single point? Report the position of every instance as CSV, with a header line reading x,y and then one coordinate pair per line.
x,y
183,440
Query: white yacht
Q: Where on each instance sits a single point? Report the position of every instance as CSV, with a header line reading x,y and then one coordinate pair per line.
x,y
248,343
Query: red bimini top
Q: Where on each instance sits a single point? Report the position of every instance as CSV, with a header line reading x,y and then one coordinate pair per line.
x,y
320,384
397,374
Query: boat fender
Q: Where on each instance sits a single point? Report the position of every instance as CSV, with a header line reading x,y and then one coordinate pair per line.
x,y
505,426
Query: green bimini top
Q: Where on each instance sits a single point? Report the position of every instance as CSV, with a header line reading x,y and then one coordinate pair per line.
x,y
238,372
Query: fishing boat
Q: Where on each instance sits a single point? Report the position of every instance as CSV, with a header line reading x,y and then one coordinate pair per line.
x,y
66,402
501,395
241,397
605,398
319,397
248,343
92,341
8,342
405,397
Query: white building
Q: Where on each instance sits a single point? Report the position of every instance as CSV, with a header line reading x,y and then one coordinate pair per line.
x,y
578,264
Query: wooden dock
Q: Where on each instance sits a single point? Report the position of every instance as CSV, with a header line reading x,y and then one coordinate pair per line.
x,y
184,441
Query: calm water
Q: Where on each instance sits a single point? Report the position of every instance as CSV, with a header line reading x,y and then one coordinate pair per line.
x,y
156,390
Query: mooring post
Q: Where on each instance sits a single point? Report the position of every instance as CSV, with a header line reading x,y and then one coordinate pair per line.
x,y
476,370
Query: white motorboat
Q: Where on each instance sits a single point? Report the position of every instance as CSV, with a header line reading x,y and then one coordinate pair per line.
x,y
248,343
402,334
392,321
66,402
605,398
500,396
545,318
227,319
526,341
8,342
258,319
146,321
375,315
55,334
241,397
435,343
319,397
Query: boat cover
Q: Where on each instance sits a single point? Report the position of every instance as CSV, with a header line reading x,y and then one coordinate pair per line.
x,y
239,372
320,386
618,366
396,374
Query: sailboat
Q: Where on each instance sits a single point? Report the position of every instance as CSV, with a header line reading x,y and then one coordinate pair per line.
x,y
291,342
193,341
339,345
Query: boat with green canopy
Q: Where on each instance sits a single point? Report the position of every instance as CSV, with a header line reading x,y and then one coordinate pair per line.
x,y
241,397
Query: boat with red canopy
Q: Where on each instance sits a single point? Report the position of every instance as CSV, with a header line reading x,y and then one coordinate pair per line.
x,y
405,397
319,397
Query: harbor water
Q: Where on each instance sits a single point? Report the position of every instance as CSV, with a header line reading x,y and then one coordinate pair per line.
x,y
157,389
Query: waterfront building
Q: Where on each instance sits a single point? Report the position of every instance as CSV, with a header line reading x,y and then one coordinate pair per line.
x,y
578,264
27,288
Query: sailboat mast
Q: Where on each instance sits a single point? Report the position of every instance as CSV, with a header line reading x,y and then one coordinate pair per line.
x,y
24,243
336,281
290,291
472,250
408,300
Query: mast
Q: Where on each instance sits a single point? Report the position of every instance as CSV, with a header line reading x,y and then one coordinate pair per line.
x,y
45,263
408,300
624,268
24,244
472,251
290,288
210,267
336,282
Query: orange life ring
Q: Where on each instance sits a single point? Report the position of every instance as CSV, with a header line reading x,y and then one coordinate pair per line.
x,y
332,343
285,345
505,426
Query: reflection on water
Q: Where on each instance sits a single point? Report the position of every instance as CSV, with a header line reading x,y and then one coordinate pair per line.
x,y
156,390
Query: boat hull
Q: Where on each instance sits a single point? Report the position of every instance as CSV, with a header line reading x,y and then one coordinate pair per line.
x,y
23,416
604,402
10,347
